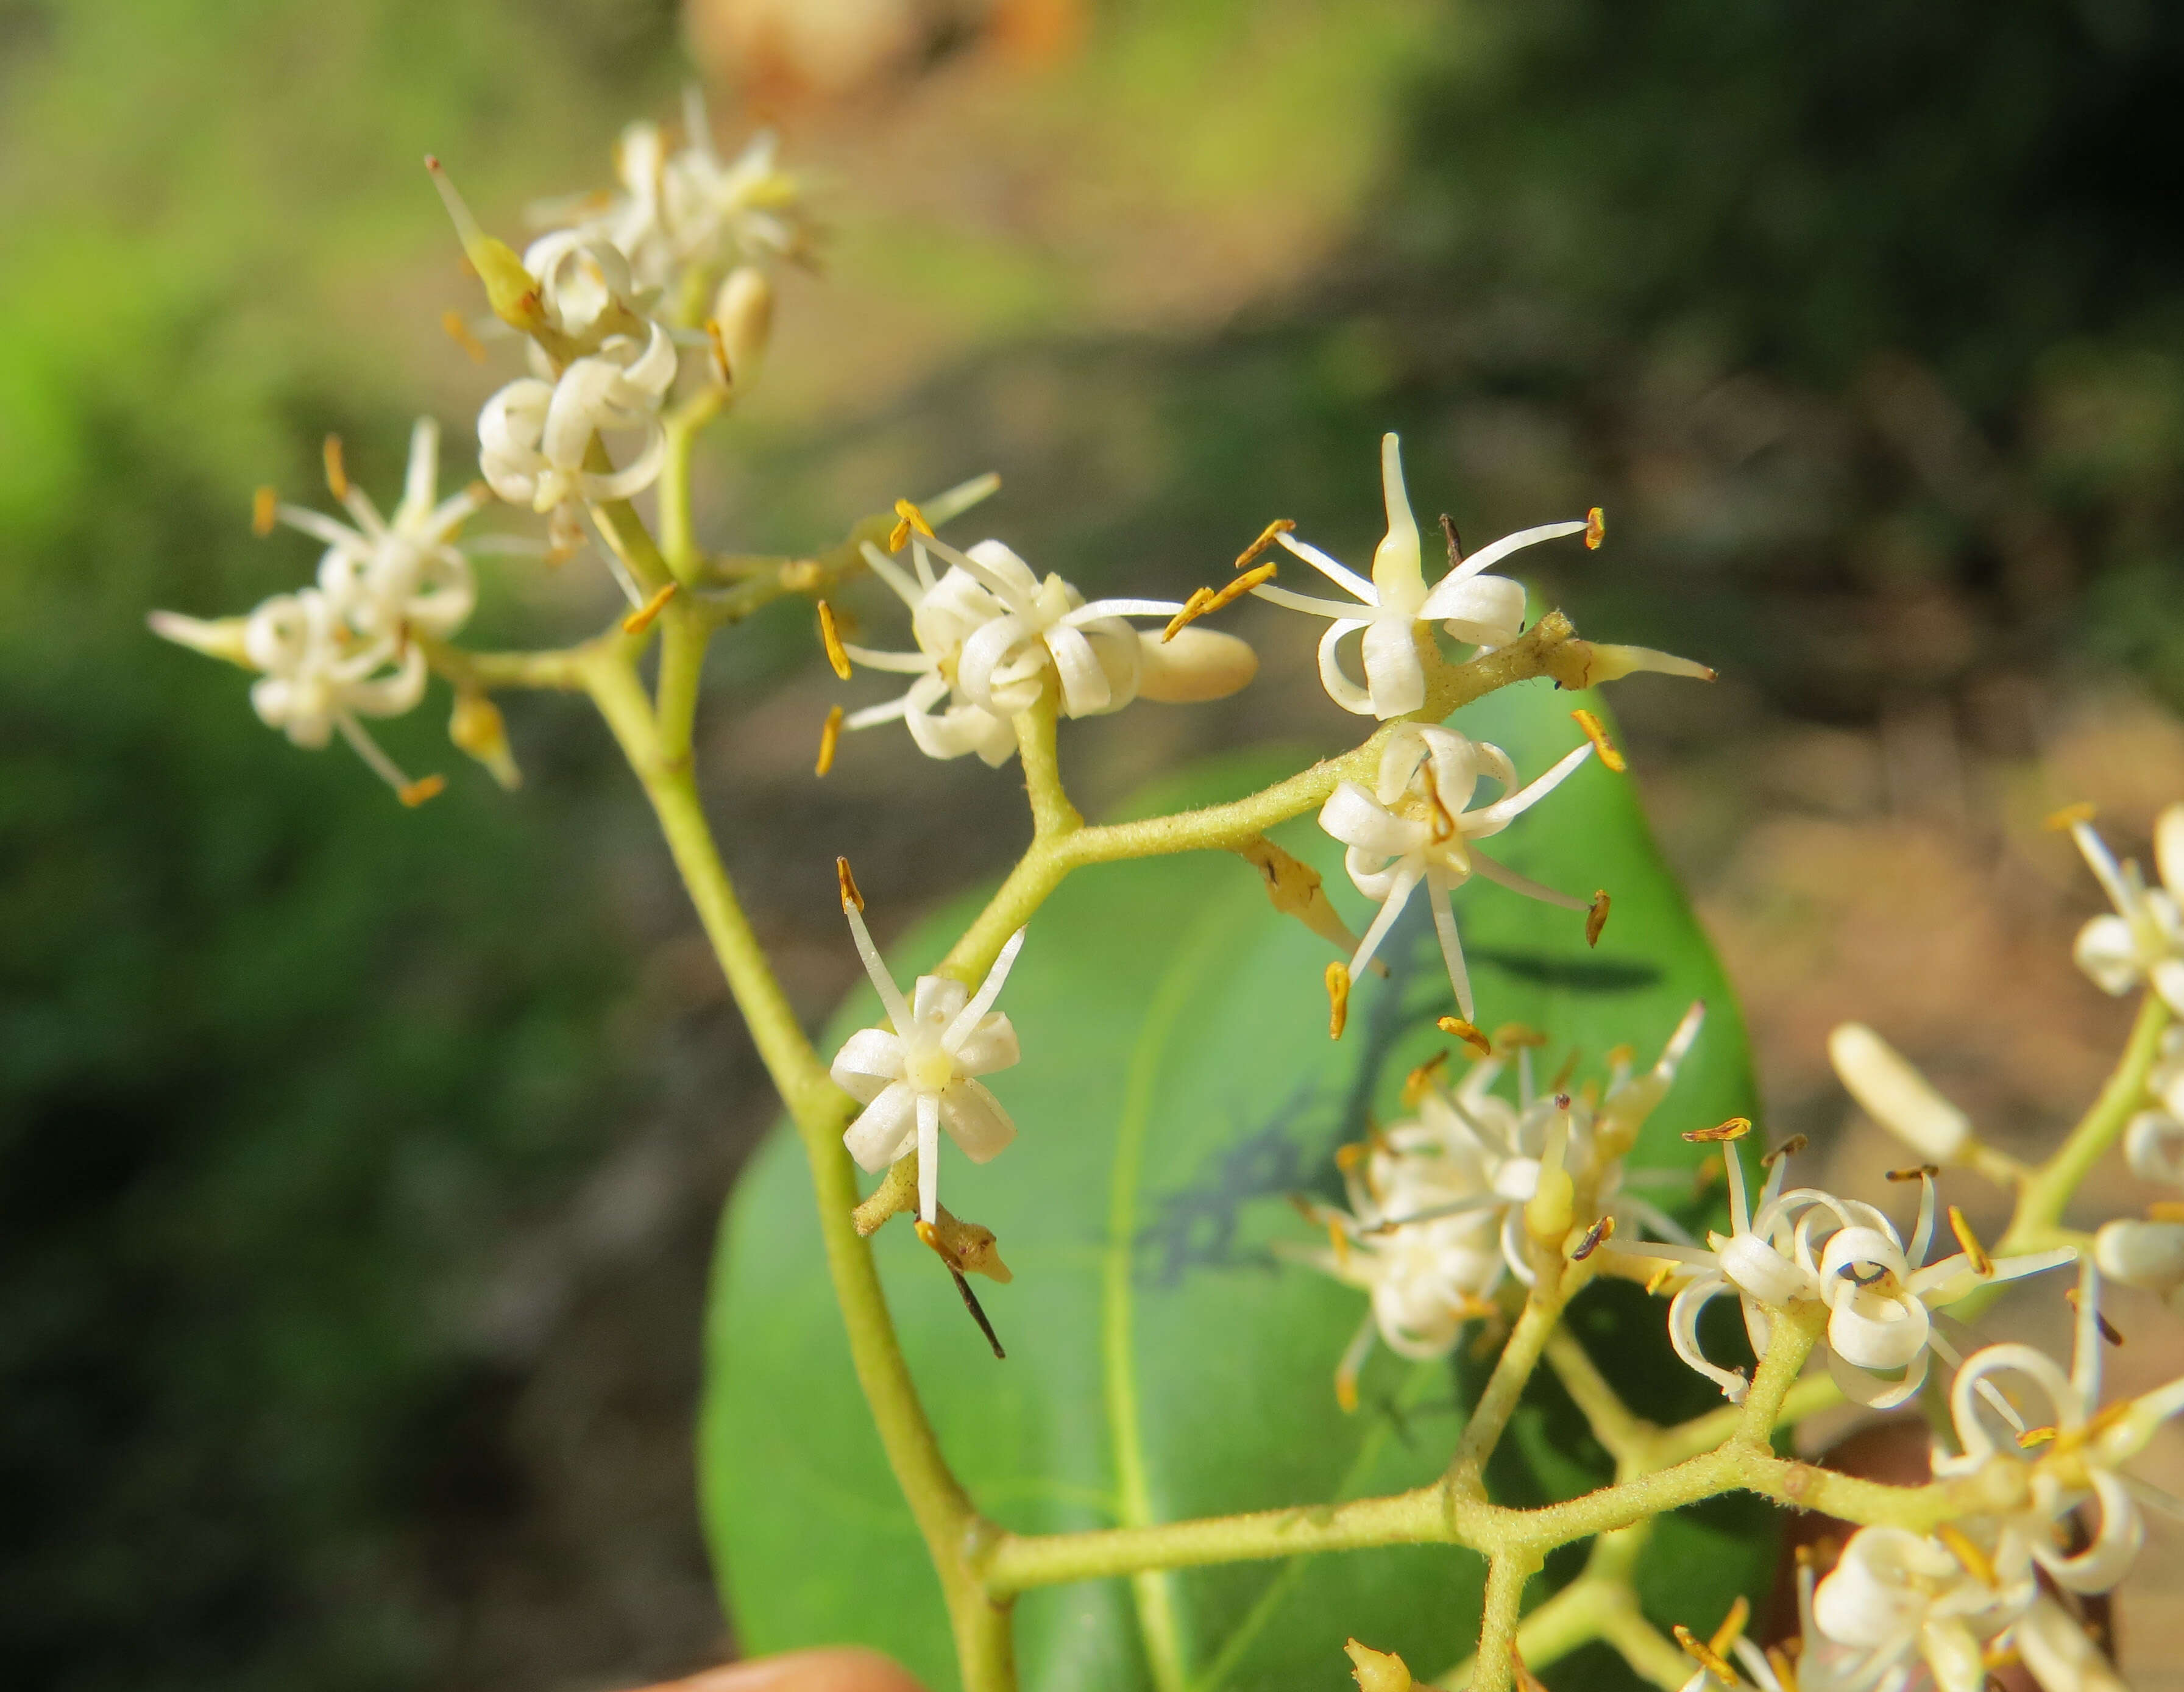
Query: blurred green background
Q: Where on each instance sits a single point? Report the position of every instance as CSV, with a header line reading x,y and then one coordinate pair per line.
x,y
357,1167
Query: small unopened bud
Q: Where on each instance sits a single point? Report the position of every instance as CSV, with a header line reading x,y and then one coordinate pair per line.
x,y
1198,664
477,727
743,308
1896,1096
1610,663
1377,1671
511,290
1551,1209
2144,1254
216,640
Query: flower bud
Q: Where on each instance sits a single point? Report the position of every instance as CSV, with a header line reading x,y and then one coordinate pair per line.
x,y
1377,1671
1607,663
476,728
1198,664
1896,1096
223,639
744,308
2147,1254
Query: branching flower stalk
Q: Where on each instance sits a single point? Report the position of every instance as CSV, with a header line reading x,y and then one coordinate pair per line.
x,y
642,320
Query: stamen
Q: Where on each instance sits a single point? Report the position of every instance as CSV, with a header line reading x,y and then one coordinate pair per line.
x,y
336,473
909,519
831,639
1659,1278
1560,1085
1732,1627
1788,1148
847,885
1982,1264
1353,1153
1734,1128
1977,1564
2165,1210
1468,1034
1278,526
2109,1332
1420,1081
1204,601
1595,916
830,735
1455,543
2071,816
459,332
1917,1172
723,372
2033,1436
1785,1666
1701,1652
1338,999
1596,529
1512,1034
264,505
1621,1056
1597,734
641,618
1338,1240
416,793
411,793
1604,1229
1998,1656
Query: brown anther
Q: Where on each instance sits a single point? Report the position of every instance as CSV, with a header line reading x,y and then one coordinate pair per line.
x,y
1560,1085
1788,1148
1977,1564
336,473
2109,1332
2033,1436
1421,1081
2071,815
1595,916
1596,529
831,639
1338,999
723,372
1982,1264
830,736
1597,734
1734,1128
1512,1034
908,518
1732,1627
425,787
1200,602
644,617
1444,823
1278,526
1701,1652
1604,1229
1916,1172
1455,541
1457,1026
460,333
1659,1278
847,885
1214,599
264,508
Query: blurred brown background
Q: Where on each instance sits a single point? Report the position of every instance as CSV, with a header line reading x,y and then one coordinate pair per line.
x,y
361,1167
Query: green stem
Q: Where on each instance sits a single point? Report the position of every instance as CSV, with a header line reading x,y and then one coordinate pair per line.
x,y
2042,1199
683,637
1506,1575
1051,813
678,543
1630,1440
1520,1356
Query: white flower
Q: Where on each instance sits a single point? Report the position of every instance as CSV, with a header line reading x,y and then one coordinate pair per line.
x,y
585,283
533,435
942,614
1895,1596
916,1079
384,576
2143,941
1415,827
318,675
2150,1253
1487,610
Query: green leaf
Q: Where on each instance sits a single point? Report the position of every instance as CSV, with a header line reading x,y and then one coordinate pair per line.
x,y
1177,1084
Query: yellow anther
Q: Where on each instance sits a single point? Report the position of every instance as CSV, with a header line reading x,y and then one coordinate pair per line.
x,y
460,333
1981,1262
1734,1128
1788,1148
263,504
1512,1034
1469,1035
2109,1332
641,618
851,898
2033,1436
1785,1666
1420,1081
723,372
1732,1627
1595,916
1916,1172
1700,1652
1338,1241
336,473
1604,1229
1998,1656
1345,1390
1348,1156
1377,1671
1338,999
1977,1564
1204,601
1596,529
830,736
2165,1210
909,518
831,639
1659,1278
416,793
1278,526
2071,815
1597,734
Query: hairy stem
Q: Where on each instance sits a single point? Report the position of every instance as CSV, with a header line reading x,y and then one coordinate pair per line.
x,y
1520,1356
1506,1575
